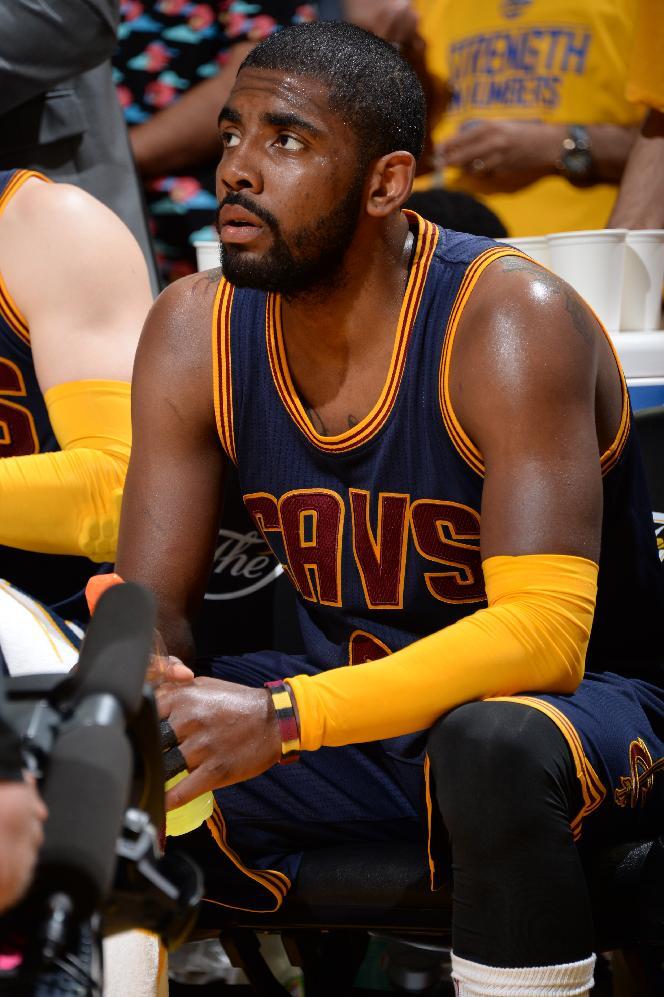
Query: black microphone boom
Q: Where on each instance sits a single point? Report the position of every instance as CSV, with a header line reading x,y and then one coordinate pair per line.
x,y
90,770
116,649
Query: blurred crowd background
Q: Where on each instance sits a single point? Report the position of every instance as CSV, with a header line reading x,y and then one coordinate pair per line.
x,y
534,105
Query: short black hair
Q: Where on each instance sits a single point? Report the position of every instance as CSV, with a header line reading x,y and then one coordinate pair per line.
x,y
370,84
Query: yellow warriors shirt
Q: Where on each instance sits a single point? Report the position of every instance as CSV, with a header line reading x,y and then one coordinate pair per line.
x,y
555,61
646,68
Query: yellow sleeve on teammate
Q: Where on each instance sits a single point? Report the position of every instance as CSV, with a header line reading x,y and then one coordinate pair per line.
x,y
532,638
68,501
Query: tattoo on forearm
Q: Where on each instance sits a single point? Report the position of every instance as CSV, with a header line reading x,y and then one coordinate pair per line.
x,y
581,318
316,421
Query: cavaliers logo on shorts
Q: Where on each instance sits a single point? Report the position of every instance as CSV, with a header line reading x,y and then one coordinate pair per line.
x,y
634,788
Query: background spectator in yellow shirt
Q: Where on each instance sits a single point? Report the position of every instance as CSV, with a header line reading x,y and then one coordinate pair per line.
x,y
640,202
538,125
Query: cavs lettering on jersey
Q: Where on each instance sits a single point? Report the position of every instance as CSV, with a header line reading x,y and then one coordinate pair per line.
x,y
25,429
378,528
554,61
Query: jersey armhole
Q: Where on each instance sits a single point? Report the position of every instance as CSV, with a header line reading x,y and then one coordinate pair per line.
x,y
460,439
462,442
9,310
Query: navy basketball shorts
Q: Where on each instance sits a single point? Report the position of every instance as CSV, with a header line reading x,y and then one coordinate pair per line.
x,y
378,792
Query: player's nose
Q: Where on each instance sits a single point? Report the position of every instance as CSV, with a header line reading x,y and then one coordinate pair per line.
x,y
238,170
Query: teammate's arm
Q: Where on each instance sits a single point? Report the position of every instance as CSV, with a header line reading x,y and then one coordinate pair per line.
x,y
174,487
78,278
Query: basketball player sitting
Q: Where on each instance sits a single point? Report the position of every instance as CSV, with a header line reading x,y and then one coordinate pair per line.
x,y
434,436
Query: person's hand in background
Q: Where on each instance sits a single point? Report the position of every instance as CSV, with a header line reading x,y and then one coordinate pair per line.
x,y
522,151
504,148
22,816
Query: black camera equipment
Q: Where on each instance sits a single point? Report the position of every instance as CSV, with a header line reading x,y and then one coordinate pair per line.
x,y
91,738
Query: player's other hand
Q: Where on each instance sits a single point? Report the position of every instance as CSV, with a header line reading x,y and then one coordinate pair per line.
x,y
22,816
226,733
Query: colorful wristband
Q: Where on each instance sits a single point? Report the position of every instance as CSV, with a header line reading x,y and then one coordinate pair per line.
x,y
288,726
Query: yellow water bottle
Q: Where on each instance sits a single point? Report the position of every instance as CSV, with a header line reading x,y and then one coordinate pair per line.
x,y
187,818
192,814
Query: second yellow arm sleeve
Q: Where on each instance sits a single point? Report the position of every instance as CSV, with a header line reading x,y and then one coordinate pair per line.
x,y
68,501
532,637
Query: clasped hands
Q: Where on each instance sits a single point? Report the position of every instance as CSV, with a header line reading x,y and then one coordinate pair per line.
x,y
504,149
225,732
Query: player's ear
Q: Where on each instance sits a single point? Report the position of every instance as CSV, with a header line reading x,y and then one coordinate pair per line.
x,y
390,182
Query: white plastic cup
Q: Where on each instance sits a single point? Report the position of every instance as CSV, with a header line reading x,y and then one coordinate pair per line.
x,y
644,275
592,262
207,254
534,246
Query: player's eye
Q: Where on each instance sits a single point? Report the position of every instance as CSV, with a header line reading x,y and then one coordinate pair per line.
x,y
289,142
229,139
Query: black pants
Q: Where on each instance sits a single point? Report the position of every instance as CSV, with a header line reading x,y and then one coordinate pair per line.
x,y
505,784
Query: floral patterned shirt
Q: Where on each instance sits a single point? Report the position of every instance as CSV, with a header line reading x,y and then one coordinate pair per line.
x,y
165,48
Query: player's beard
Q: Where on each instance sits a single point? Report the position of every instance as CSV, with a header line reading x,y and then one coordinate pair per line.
x,y
311,261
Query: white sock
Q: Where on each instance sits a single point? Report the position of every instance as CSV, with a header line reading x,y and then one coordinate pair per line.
x,y
135,965
572,979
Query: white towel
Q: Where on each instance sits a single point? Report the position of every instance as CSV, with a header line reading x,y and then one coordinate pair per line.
x,y
34,640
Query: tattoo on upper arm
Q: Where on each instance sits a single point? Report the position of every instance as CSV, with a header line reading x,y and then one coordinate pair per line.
x,y
352,422
581,320
580,316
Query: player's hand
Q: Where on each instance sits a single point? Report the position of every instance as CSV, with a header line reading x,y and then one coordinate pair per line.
x,y
394,20
22,816
167,668
226,733
504,149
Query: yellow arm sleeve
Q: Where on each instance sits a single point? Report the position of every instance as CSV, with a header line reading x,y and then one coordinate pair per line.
x,y
68,501
532,638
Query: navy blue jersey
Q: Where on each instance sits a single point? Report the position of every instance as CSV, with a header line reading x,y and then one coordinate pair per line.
x,y
379,528
25,429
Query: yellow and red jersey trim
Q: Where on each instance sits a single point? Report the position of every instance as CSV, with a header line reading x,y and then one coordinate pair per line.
x,y
9,310
221,367
611,455
463,444
592,788
433,872
276,883
372,423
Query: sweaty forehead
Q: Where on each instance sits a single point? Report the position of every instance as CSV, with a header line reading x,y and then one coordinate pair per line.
x,y
268,90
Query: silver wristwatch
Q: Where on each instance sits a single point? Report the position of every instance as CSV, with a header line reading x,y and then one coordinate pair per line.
x,y
576,160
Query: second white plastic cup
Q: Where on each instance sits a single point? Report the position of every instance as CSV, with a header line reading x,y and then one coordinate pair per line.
x,y
644,275
207,254
592,262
